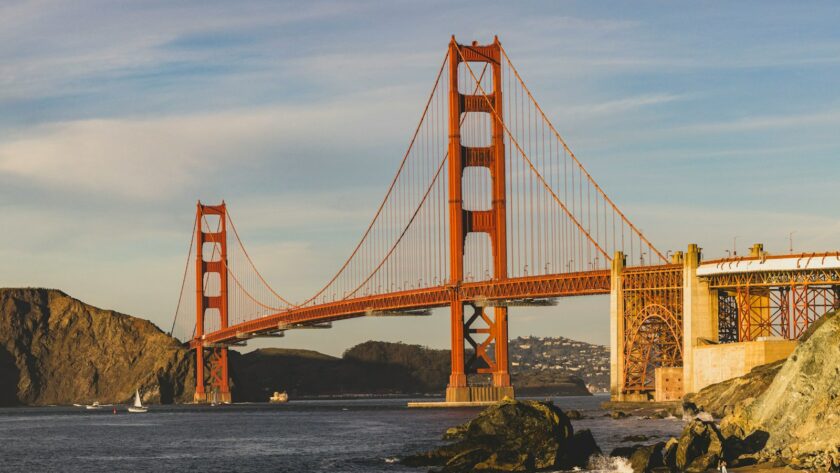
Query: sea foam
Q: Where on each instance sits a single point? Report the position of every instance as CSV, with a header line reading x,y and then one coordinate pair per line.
x,y
606,464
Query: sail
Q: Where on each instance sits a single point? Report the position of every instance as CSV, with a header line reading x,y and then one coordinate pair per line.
x,y
137,402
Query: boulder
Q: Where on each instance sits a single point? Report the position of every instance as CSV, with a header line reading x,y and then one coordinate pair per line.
x,y
700,447
646,458
643,458
625,452
669,453
619,414
512,436
573,414
582,447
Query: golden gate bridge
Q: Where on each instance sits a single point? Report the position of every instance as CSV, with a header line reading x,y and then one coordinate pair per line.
x,y
489,208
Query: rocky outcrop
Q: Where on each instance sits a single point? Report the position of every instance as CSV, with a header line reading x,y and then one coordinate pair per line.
x,y
642,458
512,436
800,410
720,399
699,448
784,414
55,349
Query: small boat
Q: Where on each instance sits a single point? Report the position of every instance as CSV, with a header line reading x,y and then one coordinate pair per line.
x,y
94,406
138,406
279,397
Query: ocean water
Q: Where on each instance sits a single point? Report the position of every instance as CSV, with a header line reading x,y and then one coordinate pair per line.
x,y
301,436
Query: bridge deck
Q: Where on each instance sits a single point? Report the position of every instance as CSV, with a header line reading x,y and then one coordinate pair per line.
x,y
529,287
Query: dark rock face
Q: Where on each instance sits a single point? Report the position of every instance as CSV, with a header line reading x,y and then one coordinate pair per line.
x,y
582,447
644,459
512,436
57,350
669,453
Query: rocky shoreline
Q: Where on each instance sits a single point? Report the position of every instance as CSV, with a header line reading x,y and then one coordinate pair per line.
x,y
780,417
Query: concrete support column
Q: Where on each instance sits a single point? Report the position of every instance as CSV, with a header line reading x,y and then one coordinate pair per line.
x,y
699,316
501,376
617,327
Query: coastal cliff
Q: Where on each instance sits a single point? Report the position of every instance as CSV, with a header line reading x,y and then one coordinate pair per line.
x,y
800,410
55,349
781,414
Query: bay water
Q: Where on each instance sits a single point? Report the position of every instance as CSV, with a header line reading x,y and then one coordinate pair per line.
x,y
301,436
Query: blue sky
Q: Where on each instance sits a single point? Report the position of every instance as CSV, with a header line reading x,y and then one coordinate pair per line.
x,y
702,120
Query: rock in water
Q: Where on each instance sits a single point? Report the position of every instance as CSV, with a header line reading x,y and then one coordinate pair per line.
x,y
699,448
643,458
512,436
57,350
800,410
573,414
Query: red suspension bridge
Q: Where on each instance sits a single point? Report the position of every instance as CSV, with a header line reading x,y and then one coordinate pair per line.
x,y
489,208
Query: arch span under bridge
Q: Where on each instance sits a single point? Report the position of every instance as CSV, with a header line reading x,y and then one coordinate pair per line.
x,y
489,209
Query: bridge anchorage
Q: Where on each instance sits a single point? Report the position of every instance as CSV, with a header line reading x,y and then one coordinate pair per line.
x,y
490,210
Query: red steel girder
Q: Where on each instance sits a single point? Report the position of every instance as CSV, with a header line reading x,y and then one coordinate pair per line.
x,y
559,285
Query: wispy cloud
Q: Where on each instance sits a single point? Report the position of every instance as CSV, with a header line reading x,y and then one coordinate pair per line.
x,y
154,158
766,123
621,105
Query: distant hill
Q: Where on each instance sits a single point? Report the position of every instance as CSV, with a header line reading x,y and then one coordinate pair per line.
x,y
378,368
541,357
55,349
304,373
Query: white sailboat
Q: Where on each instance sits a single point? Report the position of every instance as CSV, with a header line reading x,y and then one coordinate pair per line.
x,y
138,406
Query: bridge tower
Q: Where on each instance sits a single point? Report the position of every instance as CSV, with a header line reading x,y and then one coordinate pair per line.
x,y
211,300
462,222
